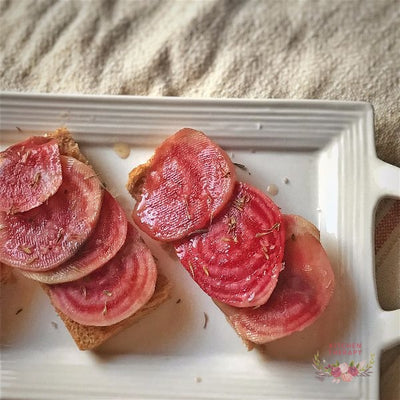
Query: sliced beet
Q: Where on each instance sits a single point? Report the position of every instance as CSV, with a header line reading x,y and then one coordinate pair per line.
x,y
238,260
296,225
113,292
303,291
188,182
105,241
30,172
46,236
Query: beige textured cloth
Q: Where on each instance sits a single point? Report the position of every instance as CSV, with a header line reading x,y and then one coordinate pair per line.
x,y
326,49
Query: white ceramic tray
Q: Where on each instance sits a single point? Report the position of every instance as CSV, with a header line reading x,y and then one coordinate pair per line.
x,y
325,149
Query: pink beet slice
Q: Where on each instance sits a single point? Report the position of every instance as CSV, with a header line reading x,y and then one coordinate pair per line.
x,y
113,292
105,241
188,182
46,236
238,260
303,291
30,172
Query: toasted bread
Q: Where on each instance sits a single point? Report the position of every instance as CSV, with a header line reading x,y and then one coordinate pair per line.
x,y
90,337
5,273
136,179
135,182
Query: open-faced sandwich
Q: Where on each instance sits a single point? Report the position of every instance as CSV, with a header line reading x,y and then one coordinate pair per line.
x,y
60,226
265,270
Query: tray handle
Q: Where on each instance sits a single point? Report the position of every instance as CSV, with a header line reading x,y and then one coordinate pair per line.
x,y
387,184
390,328
387,180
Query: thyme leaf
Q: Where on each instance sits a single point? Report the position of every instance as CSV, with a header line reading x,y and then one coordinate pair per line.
x,y
25,249
268,231
191,268
242,167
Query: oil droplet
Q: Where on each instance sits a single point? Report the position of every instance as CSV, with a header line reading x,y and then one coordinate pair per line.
x,y
272,189
122,150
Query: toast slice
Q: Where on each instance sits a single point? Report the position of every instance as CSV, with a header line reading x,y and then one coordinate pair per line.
x,y
90,337
137,178
5,273
135,181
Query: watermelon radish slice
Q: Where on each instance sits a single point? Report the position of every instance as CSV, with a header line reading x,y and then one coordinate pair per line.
x,y
105,241
303,291
239,259
188,182
46,236
113,292
30,172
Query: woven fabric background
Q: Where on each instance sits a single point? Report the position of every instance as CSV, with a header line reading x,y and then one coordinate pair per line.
x,y
297,49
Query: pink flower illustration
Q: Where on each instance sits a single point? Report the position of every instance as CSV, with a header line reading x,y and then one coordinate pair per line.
x,y
362,364
343,372
343,368
353,371
347,377
336,372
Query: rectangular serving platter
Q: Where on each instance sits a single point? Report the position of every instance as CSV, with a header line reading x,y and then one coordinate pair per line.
x,y
321,156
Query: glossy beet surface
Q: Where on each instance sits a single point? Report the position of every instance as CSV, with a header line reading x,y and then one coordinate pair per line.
x,y
188,182
30,172
303,291
46,236
113,292
238,260
105,241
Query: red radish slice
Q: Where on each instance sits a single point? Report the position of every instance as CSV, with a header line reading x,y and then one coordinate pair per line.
x,y
46,236
102,245
239,259
303,291
113,292
188,182
30,172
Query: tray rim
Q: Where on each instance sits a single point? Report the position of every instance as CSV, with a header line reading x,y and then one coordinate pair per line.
x,y
364,108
